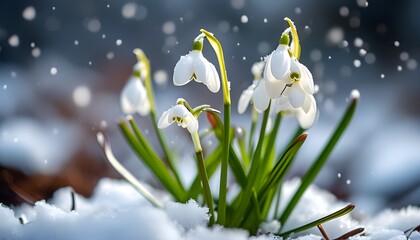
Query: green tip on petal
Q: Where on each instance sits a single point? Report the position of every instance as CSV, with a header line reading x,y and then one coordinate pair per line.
x,y
197,46
284,40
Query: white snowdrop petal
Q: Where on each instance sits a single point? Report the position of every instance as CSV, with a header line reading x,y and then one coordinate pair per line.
x,y
306,120
164,120
274,87
307,104
297,95
245,98
201,67
307,80
179,111
280,62
295,67
192,126
132,95
213,81
183,71
260,98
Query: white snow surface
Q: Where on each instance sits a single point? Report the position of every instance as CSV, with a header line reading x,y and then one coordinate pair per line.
x,y
117,211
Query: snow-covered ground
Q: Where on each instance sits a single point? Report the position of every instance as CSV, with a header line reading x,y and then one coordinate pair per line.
x,y
117,211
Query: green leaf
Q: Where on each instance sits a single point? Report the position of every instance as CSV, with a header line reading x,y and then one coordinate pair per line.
x,y
347,209
267,159
242,207
152,161
320,161
253,220
281,167
217,47
234,161
124,172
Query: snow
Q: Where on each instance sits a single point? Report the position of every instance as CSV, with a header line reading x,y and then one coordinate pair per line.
x,y
117,211
33,147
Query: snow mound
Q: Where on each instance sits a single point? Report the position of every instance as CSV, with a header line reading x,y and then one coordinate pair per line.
x,y
117,211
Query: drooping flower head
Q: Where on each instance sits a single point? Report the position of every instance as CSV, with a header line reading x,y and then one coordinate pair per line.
x,y
182,116
133,98
195,66
286,82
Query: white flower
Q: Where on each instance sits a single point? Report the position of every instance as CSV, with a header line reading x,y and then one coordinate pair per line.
x,y
182,116
245,97
255,91
300,85
260,98
195,66
306,114
134,98
258,94
278,63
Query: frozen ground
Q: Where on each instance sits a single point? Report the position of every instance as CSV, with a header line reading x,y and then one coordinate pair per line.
x,y
117,211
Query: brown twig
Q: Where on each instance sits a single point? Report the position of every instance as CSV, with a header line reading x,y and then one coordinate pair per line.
x,y
350,234
321,229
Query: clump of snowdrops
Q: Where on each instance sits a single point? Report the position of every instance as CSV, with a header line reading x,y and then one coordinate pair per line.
x,y
282,86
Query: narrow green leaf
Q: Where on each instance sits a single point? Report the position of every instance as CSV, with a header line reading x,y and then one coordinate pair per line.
x,y
253,220
153,162
234,161
242,207
267,161
281,167
347,209
322,158
124,172
217,47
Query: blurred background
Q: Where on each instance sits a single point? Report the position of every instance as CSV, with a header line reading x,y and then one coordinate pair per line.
x,y
64,63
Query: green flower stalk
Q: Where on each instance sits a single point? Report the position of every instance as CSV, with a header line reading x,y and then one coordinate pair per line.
x,y
146,73
185,117
217,47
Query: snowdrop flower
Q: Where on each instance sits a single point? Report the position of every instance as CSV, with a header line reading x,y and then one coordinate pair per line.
x,y
277,67
134,97
306,114
299,84
182,116
259,97
256,91
195,66
245,97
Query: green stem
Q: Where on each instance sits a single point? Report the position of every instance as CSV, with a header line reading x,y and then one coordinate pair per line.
x,y
252,131
224,168
203,173
217,47
255,164
267,165
141,57
244,154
